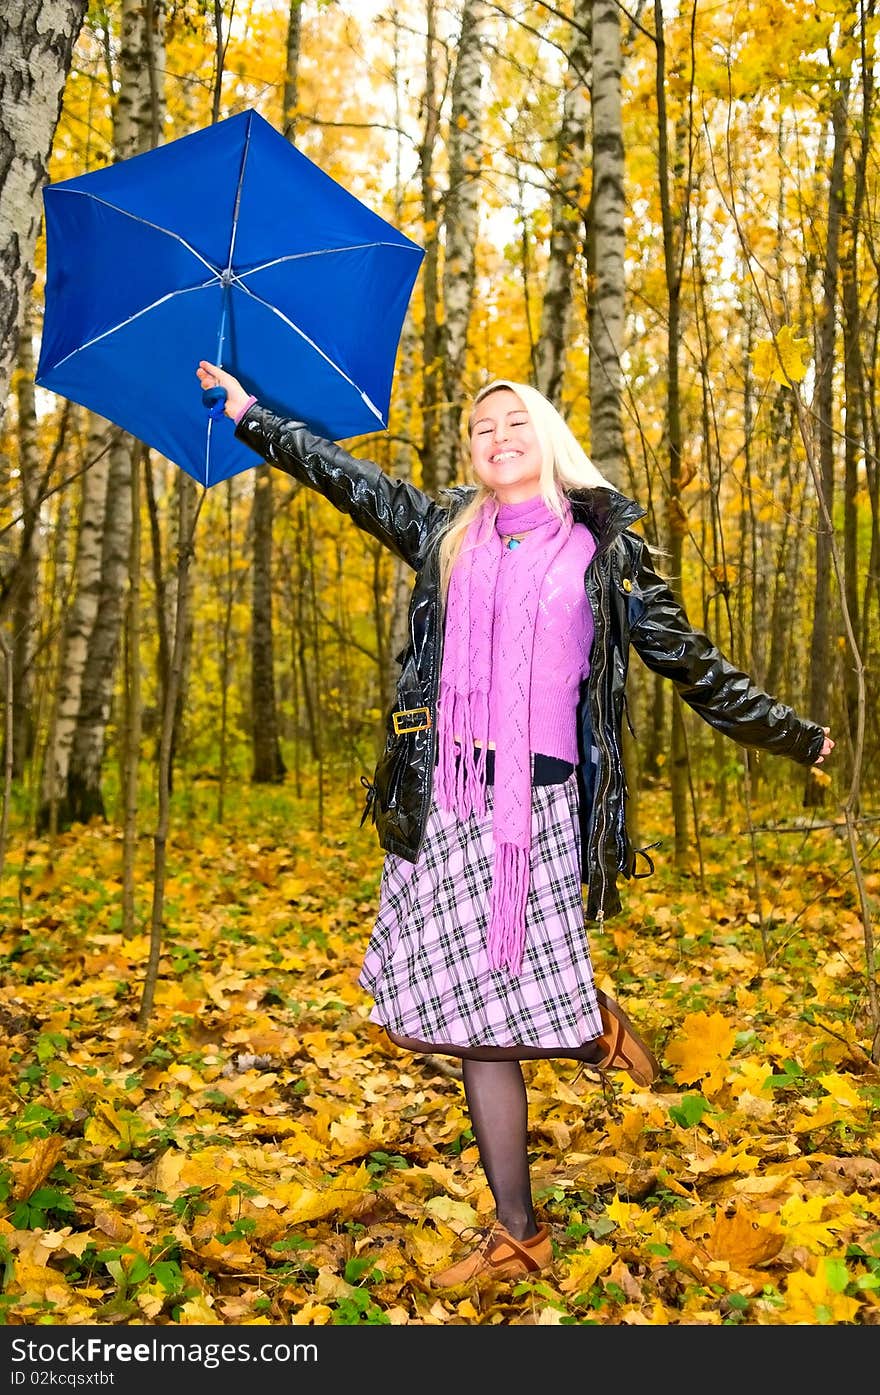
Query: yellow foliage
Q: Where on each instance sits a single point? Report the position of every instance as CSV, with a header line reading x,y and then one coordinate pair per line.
x,y
38,1282
814,1299
701,1049
803,1221
729,1163
115,1130
783,359
199,1311
622,1213
744,1239
30,1173
585,1267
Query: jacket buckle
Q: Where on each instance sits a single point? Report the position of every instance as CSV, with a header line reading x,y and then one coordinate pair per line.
x,y
411,719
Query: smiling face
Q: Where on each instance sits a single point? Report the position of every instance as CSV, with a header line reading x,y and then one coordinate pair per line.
x,y
505,450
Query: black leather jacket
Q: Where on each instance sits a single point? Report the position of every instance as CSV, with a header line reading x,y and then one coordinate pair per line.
x,y
631,605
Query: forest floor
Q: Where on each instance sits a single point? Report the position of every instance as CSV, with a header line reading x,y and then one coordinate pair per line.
x,y
260,1154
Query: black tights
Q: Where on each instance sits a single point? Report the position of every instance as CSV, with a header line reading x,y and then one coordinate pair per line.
x,y
495,1091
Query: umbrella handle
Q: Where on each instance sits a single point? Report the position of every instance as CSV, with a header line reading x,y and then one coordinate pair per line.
x,y
214,399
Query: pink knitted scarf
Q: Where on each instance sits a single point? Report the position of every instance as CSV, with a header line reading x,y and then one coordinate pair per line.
x,y
485,681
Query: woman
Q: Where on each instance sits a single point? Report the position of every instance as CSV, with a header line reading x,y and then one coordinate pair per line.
x,y
501,792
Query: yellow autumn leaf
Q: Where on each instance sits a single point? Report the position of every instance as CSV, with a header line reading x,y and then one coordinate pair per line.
x,y
37,1281
827,1112
812,1300
585,1268
312,1314
622,1213
199,1311
732,1162
113,1130
458,1215
427,1249
783,359
803,1222
340,1198
752,1079
743,1240
31,1173
841,1090
701,1050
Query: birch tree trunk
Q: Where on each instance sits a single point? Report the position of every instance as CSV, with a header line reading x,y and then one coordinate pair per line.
x,y
268,766
820,640
138,103
290,96
24,598
8,716
225,652
856,445
566,212
432,368
391,640
131,744
673,239
607,244
85,798
391,621
36,46
267,762
189,507
460,221
77,630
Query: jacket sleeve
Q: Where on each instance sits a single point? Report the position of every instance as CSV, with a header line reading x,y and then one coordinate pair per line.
x,y
401,516
720,693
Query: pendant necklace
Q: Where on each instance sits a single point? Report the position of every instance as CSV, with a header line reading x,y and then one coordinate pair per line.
x,y
511,542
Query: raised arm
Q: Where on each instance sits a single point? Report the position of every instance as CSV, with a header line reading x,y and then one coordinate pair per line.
x,y
401,516
722,694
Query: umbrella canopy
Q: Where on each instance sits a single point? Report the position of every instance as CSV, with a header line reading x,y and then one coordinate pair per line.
x,y
227,244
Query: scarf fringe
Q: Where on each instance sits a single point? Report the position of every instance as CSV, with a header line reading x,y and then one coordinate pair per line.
x,y
460,778
505,943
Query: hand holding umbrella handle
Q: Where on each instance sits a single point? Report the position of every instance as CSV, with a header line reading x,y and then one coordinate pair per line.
x,y
216,384
214,399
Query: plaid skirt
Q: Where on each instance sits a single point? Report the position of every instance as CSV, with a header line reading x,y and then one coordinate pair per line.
x,y
426,966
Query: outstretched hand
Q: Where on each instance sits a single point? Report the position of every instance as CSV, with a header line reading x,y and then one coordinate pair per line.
x,y
827,747
210,375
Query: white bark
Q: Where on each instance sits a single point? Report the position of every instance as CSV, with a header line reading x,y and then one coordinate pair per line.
x,y
25,581
608,243
461,223
138,106
36,43
96,693
80,619
566,210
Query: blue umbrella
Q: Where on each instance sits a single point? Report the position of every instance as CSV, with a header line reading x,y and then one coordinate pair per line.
x,y
227,243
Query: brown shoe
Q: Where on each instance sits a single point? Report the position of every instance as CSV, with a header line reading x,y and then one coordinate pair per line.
x,y
498,1256
621,1046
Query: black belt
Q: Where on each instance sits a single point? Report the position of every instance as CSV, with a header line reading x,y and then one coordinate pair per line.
x,y
546,770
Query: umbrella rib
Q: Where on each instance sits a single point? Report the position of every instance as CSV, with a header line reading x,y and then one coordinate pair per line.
x,y
317,348
233,233
228,275
130,319
322,252
136,217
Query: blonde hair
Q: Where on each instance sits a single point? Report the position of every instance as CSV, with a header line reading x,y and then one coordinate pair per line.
x,y
564,465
